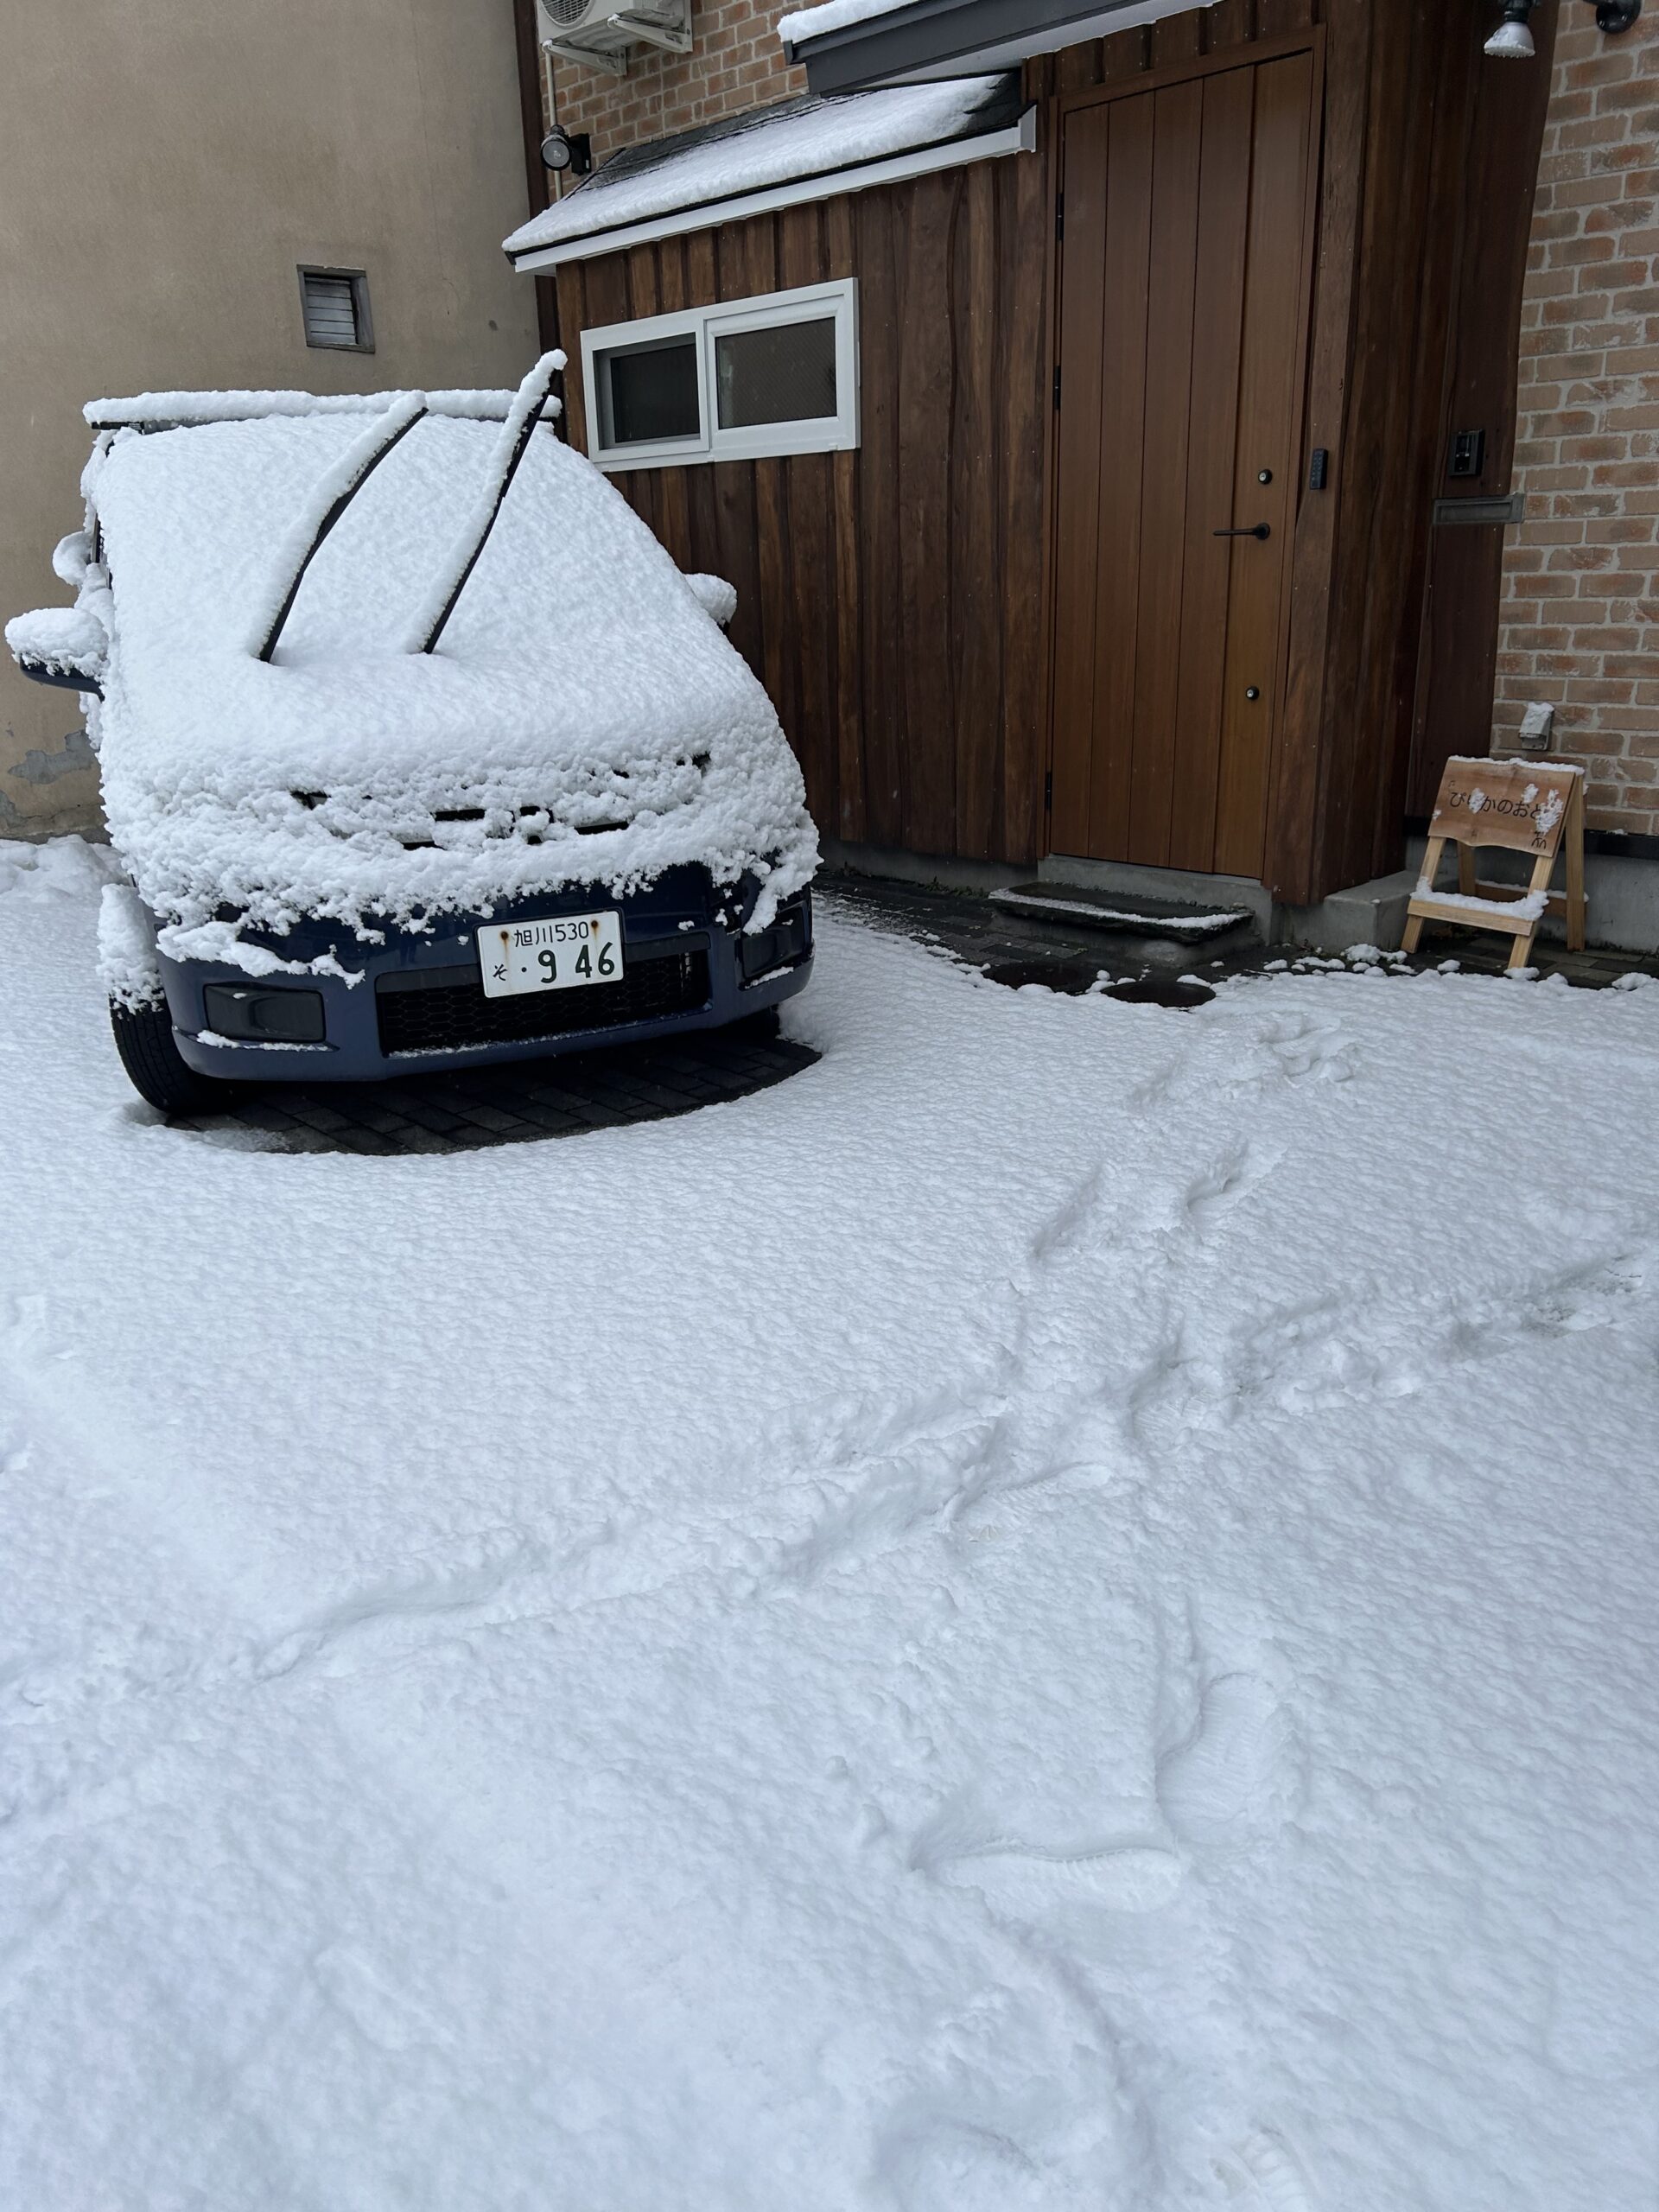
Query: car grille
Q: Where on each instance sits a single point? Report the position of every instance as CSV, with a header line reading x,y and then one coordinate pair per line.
x,y
448,1016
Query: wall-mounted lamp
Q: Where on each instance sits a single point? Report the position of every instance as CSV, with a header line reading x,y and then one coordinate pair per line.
x,y
1512,40
569,150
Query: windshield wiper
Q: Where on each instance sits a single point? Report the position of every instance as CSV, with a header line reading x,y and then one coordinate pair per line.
x,y
533,395
329,498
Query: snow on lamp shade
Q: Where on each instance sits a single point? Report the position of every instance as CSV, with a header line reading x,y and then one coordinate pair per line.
x,y
336,304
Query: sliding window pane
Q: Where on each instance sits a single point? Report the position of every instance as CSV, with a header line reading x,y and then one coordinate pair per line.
x,y
785,374
649,392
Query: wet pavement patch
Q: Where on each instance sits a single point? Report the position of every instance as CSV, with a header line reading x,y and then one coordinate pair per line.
x,y
1161,990
1072,976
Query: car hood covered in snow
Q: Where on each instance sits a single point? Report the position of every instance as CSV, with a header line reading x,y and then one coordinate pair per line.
x,y
582,720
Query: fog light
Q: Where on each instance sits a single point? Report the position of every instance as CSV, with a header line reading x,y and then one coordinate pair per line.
x,y
253,1014
783,945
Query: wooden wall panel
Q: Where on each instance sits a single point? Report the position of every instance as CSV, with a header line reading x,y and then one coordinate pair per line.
x,y
1024,371
881,684
1412,193
897,600
890,598
1495,169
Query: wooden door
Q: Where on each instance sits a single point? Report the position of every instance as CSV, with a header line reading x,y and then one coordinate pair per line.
x,y
1183,310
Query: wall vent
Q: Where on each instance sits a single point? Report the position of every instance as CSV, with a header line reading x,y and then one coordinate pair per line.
x,y
335,305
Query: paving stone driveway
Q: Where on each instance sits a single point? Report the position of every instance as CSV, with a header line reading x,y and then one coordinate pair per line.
x,y
526,1099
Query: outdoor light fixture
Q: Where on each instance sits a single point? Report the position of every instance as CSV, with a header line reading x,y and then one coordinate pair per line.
x,y
568,150
1512,40
1513,37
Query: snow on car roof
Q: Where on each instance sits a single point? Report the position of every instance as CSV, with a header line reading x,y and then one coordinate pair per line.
x,y
583,717
174,410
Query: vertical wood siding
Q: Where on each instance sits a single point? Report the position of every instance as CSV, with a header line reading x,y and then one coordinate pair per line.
x,y
897,600
890,599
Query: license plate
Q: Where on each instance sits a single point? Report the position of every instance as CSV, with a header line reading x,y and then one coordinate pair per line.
x,y
558,954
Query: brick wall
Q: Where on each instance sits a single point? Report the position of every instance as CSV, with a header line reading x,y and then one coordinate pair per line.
x,y
736,61
1579,625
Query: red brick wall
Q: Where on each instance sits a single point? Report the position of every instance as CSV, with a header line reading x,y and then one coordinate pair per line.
x,y
735,62
1579,624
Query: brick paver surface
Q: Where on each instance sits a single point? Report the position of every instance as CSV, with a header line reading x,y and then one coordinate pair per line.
x,y
557,1097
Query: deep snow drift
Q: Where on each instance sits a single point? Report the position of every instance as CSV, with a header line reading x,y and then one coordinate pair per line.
x,y
1057,1613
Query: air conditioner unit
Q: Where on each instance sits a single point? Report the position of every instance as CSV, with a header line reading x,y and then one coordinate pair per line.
x,y
600,32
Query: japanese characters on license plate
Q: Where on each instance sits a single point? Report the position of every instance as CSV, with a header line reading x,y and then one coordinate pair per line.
x,y
555,954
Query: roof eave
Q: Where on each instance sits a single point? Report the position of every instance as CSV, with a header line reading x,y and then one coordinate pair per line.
x,y
1015,137
932,38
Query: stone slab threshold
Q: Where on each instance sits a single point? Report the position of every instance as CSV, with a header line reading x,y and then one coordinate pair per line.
x,y
1187,921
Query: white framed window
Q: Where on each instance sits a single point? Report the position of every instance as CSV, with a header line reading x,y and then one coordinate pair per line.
x,y
737,381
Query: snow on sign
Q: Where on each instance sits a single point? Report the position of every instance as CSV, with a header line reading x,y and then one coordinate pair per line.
x,y
555,954
1521,804
1524,806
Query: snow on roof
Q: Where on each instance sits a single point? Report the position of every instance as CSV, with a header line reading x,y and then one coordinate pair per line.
x,y
583,713
781,144
833,15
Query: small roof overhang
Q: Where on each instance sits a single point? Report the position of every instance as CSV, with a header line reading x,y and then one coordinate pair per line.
x,y
786,155
848,44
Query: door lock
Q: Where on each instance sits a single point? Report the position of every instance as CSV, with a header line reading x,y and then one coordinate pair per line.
x,y
1261,530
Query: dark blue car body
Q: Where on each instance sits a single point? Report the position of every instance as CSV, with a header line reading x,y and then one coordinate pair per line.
x,y
419,1005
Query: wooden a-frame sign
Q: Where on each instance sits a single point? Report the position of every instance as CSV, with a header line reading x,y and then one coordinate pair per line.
x,y
1529,806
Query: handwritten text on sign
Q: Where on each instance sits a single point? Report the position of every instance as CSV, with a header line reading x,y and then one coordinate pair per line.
x,y
1502,803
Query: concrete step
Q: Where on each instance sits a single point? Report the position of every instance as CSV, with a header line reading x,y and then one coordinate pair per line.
x,y
1187,921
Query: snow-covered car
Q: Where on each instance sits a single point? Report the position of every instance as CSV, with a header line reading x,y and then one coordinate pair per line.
x,y
417,749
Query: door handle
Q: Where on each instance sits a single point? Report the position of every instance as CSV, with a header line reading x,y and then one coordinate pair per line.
x,y
1261,530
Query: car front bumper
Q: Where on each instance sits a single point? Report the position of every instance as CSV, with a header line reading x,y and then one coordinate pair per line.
x,y
417,1004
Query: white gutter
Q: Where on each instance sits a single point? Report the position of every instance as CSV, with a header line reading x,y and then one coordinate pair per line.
x,y
1005,53
1019,137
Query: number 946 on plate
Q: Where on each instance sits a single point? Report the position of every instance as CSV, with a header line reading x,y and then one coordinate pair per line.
x,y
557,954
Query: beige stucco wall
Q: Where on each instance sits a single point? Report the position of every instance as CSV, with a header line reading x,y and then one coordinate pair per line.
x,y
165,165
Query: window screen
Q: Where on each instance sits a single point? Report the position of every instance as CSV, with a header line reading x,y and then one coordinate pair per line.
x,y
335,303
649,392
783,373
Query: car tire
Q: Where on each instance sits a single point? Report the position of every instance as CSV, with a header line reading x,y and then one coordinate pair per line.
x,y
157,1070
759,1028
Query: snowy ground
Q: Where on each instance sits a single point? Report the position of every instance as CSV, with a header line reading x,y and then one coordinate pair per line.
x,y
1058,1613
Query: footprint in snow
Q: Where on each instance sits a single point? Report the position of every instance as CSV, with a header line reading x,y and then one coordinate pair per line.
x,y
1127,1873
1214,1194
1233,1773
1301,1046
1261,2173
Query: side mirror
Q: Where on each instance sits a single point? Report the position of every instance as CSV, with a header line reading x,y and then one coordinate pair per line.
x,y
717,599
61,646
